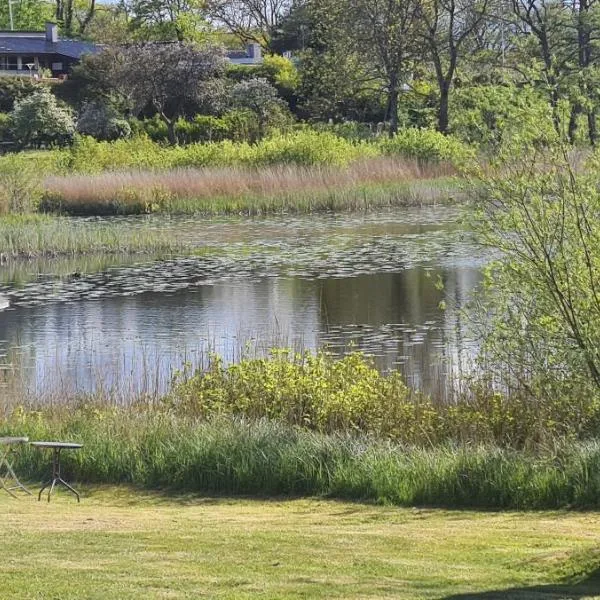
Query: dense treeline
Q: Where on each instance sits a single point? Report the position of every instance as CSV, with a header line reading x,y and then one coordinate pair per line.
x,y
471,68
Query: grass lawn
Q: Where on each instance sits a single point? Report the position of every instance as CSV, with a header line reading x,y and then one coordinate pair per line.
x,y
120,543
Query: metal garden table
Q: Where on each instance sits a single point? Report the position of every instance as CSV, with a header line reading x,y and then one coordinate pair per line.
x,y
6,471
56,448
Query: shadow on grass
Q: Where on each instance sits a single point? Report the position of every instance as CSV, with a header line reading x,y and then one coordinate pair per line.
x,y
588,587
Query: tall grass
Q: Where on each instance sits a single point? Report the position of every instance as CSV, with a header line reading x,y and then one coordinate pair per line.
x,y
235,456
42,235
364,184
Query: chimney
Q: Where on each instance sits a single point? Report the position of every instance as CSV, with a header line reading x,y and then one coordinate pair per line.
x,y
255,52
52,33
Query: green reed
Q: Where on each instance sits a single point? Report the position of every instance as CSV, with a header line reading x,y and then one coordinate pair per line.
x,y
157,449
44,235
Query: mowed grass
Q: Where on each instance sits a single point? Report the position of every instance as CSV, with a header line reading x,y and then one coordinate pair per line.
x,y
123,543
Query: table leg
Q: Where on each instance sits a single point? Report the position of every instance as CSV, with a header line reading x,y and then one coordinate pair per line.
x,y
56,478
10,474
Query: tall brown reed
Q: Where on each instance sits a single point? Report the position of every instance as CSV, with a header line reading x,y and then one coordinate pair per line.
x,y
147,191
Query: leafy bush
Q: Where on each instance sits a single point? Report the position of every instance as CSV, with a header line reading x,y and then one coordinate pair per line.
x,y
426,145
328,395
260,97
538,209
307,147
489,114
38,121
20,185
309,390
13,89
5,128
102,122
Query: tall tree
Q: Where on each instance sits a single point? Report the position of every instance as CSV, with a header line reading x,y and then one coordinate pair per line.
x,y
75,15
541,25
446,25
251,20
166,20
387,31
583,37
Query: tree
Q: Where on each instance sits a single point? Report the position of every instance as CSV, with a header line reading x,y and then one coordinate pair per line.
x,y
27,15
541,300
445,26
541,27
260,97
251,20
166,20
38,121
584,27
70,12
102,121
387,33
172,79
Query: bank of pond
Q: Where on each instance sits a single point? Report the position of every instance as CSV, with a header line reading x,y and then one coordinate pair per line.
x,y
236,456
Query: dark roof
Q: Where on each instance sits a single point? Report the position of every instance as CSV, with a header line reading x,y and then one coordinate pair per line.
x,y
37,45
236,54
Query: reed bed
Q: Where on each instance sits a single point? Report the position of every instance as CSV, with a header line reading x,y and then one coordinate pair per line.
x,y
233,456
382,181
29,236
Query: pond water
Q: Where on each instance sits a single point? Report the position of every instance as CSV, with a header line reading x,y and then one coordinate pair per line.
x,y
391,284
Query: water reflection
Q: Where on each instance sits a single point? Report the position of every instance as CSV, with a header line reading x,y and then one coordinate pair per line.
x,y
376,284
132,344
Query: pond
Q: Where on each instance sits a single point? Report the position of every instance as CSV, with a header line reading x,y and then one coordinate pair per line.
x,y
392,284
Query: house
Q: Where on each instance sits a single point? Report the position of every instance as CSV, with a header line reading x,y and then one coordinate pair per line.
x,y
251,56
27,52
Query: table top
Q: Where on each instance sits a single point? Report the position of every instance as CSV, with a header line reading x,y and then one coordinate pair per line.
x,y
5,441
57,445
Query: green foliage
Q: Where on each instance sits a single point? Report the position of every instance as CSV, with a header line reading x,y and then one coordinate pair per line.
x,y
28,15
307,147
38,120
540,299
158,449
5,128
281,72
20,187
260,98
13,89
489,115
102,122
313,391
426,145
328,395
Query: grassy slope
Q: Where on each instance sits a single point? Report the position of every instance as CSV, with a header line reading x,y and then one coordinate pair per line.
x,y
124,544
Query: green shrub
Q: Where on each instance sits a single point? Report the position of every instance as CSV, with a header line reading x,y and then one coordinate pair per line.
x,y
13,89
102,122
426,145
38,120
309,390
307,147
20,185
5,128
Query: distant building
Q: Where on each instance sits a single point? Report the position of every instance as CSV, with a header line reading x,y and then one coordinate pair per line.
x,y
251,56
27,52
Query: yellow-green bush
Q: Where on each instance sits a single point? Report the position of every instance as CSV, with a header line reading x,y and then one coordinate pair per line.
x,y
313,391
426,145
329,395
